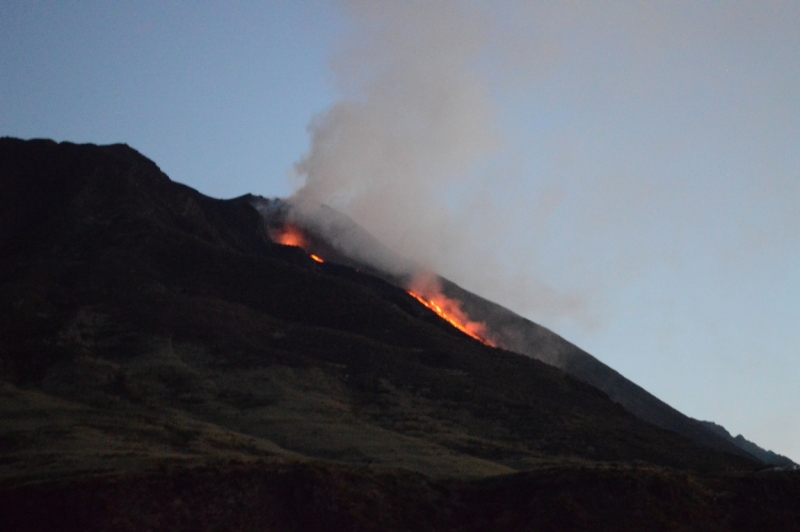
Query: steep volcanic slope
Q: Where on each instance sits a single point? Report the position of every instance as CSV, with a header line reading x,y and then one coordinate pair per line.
x,y
335,236
172,326
768,457
165,366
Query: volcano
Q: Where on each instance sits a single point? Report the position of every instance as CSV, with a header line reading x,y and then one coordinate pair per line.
x,y
173,361
323,230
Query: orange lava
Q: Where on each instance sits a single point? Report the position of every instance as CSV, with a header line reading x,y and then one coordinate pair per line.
x,y
290,235
455,316
448,309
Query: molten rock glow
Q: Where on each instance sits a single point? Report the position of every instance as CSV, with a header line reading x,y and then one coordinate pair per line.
x,y
425,288
450,310
289,235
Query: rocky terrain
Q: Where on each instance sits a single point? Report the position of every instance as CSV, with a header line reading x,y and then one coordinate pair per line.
x,y
165,365
331,234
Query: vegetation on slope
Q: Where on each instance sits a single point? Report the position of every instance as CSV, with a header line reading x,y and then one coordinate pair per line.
x,y
153,340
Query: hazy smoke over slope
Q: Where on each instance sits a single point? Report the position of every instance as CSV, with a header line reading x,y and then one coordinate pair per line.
x,y
648,161
406,151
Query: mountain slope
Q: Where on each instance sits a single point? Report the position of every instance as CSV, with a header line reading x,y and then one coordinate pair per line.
x,y
165,366
335,236
768,457
126,292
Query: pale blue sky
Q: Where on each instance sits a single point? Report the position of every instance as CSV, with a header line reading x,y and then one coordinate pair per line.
x,y
642,191
219,95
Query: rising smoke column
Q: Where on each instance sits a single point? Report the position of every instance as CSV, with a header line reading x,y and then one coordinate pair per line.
x,y
406,149
413,121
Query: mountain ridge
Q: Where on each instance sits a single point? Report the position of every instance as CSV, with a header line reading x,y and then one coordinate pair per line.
x,y
165,365
337,237
766,456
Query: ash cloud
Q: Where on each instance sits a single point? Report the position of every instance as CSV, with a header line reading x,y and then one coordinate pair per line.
x,y
411,151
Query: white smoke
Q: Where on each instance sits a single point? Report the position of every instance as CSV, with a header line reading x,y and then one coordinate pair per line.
x,y
642,154
409,150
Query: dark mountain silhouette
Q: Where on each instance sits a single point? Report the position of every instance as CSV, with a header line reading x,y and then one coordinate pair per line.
x,y
766,456
165,365
332,234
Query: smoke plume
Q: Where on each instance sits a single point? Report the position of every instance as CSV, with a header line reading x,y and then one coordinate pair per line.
x,y
642,154
410,151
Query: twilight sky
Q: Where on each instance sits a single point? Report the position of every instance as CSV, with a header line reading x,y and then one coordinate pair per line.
x,y
626,174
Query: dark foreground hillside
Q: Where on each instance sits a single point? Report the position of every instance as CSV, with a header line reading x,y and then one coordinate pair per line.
x,y
164,365
298,497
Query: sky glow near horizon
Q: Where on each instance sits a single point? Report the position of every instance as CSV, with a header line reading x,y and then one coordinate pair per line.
x,y
642,183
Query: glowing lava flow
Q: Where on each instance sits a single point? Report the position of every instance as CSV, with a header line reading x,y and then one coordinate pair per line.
x,y
469,328
290,235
